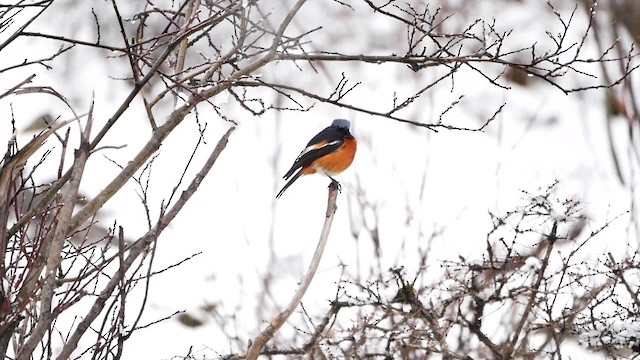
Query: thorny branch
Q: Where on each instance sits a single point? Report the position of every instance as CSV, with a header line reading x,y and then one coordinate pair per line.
x,y
528,269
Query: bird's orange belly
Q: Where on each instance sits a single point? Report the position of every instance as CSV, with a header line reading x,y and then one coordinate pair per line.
x,y
337,161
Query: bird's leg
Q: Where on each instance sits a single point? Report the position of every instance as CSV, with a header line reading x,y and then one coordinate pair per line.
x,y
335,183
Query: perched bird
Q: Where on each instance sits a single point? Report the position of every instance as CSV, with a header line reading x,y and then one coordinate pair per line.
x,y
330,152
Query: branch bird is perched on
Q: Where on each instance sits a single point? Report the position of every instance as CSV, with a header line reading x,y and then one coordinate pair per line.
x,y
330,152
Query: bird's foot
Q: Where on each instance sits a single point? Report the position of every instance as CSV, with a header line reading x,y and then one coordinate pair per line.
x,y
335,184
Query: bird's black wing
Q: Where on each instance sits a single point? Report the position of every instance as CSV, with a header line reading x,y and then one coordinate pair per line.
x,y
326,142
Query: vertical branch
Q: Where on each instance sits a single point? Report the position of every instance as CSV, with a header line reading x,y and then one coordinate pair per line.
x,y
7,172
182,48
53,247
534,292
268,333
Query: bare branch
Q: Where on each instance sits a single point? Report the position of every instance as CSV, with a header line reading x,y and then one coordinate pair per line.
x,y
267,334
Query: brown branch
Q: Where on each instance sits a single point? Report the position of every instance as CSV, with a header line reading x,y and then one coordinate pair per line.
x,y
174,120
138,247
152,72
267,334
12,90
7,172
52,248
74,41
159,133
619,272
551,238
484,339
387,114
18,32
182,48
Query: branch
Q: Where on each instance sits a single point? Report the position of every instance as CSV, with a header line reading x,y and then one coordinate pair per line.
x,y
53,246
268,333
551,238
7,172
138,247
387,114
163,131
182,49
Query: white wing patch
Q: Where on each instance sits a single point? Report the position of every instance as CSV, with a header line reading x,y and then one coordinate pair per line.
x,y
316,147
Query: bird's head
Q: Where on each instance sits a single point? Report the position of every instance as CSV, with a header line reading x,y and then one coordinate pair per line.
x,y
341,124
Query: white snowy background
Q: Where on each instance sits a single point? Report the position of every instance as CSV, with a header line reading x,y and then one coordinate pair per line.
x,y
418,181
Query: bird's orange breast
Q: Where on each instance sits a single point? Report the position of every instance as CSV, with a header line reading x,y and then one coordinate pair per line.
x,y
339,160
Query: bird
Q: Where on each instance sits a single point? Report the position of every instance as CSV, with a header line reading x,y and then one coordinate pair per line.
x,y
330,152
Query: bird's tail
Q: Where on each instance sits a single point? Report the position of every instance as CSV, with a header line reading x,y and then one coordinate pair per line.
x,y
294,178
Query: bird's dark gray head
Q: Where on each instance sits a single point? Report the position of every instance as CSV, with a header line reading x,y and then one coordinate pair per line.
x,y
341,124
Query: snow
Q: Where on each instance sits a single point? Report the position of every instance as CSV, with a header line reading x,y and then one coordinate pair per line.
x,y
409,192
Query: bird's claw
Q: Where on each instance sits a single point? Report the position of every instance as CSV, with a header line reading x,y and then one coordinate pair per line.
x,y
334,183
